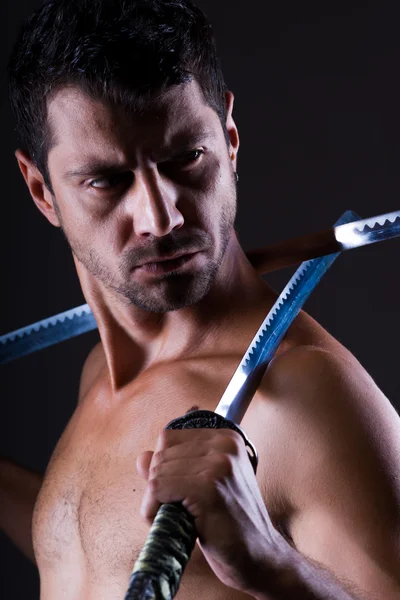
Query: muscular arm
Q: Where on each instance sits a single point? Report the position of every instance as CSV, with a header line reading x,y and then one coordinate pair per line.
x,y
297,577
339,473
18,492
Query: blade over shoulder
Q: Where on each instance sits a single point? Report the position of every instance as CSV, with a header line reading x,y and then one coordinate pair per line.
x,y
254,363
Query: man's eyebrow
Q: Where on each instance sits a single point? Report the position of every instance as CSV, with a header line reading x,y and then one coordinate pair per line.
x,y
178,144
94,167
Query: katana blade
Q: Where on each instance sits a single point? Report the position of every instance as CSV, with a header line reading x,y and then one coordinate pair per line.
x,y
307,247
254,363
368,231
80,320
46,333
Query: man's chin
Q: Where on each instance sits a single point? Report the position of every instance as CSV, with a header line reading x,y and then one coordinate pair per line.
x,y
171,293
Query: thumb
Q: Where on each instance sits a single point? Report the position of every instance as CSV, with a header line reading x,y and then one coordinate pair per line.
x,y
143,463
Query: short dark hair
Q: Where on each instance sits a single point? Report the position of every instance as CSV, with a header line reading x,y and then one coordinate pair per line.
x,y
119,51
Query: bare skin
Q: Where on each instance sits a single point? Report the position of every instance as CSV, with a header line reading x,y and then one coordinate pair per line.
x,y
328,439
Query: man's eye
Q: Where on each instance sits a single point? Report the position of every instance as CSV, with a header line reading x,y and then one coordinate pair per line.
x,y
188,158
111,182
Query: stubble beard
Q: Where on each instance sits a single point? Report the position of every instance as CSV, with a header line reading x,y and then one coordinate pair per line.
x,y
175,291
172,291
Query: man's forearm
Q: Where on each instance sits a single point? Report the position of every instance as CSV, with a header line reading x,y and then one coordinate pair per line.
x,y
18,492
300,579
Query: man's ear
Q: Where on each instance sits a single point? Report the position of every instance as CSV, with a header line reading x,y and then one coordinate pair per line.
x,y
232,129
37,187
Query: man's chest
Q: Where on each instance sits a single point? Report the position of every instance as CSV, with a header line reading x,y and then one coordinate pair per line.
x,y
88,513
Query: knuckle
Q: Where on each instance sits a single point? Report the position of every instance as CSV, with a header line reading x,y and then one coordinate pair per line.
x,y
154,486
154,470
158,458
233,442
225,464
164,440
220,466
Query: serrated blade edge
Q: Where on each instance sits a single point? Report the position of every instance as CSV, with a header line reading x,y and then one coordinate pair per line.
x,y
261,350
46,332
368,231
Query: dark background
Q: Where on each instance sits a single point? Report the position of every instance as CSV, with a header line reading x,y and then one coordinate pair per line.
x,y
317,104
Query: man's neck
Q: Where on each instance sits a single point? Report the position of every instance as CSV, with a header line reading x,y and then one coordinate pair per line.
x,y
134,339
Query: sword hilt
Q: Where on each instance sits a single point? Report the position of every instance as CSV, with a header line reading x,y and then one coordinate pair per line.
x,y
158,571
206,419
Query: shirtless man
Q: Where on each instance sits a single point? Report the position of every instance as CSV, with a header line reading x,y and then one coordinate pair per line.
x,y
130,146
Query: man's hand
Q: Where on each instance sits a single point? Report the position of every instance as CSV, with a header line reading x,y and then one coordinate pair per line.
x,y
209,471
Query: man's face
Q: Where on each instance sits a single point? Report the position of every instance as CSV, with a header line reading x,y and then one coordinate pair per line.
x,y
131,191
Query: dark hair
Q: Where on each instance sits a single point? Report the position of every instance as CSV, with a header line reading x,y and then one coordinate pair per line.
x,y
119,51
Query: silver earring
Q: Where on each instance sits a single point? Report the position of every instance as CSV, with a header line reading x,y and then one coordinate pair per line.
x,y
237,177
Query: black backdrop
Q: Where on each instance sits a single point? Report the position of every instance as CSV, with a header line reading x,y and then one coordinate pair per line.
x,y
317,104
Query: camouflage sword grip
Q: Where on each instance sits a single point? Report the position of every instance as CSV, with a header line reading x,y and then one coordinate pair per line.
x,y
157,572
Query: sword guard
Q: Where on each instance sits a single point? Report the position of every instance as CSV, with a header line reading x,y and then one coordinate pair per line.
x,y
205,419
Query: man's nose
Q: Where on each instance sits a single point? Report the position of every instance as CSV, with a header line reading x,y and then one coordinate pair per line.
x,y
155,206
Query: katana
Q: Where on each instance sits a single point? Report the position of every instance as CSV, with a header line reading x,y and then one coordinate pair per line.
x,y
80,320
157,572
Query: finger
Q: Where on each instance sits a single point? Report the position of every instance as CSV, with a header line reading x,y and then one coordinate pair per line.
x,y
143,462
218,464
196,493
197,449
170,438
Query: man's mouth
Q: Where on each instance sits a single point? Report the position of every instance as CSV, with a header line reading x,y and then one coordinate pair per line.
x,y
166,264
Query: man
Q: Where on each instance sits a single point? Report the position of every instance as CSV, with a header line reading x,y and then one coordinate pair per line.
x,y
129,145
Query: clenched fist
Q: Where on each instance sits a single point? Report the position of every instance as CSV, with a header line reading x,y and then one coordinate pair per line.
x,y
210,473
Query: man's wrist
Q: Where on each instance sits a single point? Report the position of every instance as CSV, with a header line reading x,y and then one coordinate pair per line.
x,y
291,575
273,572
275,580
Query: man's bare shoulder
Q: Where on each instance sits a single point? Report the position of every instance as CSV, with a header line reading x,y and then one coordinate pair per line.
x,y
93,366
330,398
333,452
331,379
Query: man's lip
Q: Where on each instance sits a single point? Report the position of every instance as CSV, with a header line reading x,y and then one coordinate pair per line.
x,y
161,259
